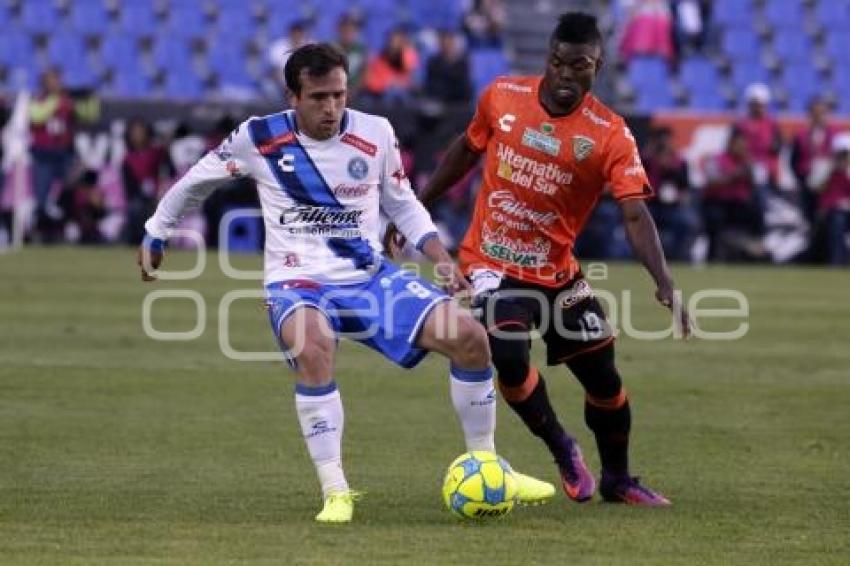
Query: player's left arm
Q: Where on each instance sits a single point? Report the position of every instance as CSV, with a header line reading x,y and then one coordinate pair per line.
x,y
630,186
403,209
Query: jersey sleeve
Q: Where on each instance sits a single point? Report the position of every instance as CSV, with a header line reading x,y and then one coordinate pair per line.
x,y
229,160
624,172
398,202
480,129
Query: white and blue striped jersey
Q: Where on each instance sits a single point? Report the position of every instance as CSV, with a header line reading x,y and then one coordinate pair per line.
x,y
322,201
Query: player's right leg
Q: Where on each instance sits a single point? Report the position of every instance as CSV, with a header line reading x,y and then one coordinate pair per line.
x,y
524,389
308,339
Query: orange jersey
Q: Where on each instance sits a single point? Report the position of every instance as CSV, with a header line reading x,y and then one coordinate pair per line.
x,y
542,177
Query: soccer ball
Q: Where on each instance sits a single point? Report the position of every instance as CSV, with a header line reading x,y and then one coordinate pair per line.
x,y
479,485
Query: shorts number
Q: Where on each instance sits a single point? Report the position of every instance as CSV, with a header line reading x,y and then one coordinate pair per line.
x,y
418,290
591,326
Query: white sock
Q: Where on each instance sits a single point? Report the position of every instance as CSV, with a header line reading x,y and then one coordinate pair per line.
x,y
474,400
321,417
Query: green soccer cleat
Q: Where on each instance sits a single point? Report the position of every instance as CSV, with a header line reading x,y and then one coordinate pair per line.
x,y
339,507
531,491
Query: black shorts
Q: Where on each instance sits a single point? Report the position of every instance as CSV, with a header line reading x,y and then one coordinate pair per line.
x,y
569,319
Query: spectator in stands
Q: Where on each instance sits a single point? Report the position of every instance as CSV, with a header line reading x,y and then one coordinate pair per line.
x,y
484,23
83,204
348,40
834,202
811,155
53,119
733,215
4,117
691,25
454,211
185,149
389,74
447,76
763,138
672,207
648,30
143,169
280,49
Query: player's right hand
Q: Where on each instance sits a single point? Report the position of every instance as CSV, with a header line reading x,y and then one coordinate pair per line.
x,y
670,298
148,261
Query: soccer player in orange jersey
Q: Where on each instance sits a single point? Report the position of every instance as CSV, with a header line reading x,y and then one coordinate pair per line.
x,y
550,149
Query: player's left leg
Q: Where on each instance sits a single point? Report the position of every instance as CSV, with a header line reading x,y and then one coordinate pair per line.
x,y
608,414
454,333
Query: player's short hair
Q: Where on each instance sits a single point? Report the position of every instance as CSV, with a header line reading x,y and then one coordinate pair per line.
x,y
318,58
578,28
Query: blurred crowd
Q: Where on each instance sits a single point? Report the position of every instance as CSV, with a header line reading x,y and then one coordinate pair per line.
x,y
737,211
76,200
732,205
742,212
665,28
398,70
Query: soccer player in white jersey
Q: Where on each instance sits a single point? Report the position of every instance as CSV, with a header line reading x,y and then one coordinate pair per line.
x,y
324,174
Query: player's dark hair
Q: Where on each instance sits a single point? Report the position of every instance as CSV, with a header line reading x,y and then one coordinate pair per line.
x,y
318,58
577,28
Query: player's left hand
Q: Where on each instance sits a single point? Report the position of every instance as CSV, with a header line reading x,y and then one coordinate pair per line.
x,y
452,280
672,299
393,241
148,261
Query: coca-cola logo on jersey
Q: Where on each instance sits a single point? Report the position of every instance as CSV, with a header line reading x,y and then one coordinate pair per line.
x,y
351,191
506,202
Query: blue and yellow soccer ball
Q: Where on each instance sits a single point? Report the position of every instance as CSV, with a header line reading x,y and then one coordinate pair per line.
x,y
479,485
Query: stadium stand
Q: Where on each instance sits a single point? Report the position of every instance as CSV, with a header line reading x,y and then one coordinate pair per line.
x,y
787,44
192,48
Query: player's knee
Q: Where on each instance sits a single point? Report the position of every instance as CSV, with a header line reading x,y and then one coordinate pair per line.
x,y
315,358
472,348
510,357
598,374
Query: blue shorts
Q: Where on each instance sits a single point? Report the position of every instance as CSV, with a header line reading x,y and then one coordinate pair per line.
x,y
385,313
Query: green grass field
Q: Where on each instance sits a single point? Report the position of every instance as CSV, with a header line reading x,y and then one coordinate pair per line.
x,y
118,449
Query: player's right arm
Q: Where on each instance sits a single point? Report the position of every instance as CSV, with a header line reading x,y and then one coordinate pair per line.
x,y
464,152
458,160
217,167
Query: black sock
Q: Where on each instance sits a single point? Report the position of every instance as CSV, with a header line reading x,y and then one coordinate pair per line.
x,y
537,414
611,428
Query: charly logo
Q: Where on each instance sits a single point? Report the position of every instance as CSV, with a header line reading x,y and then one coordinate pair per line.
x,y
287,163
489,399
582,147
320,427
358,168
506,122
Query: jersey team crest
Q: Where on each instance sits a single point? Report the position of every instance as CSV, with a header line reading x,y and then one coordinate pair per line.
x,y
582,147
